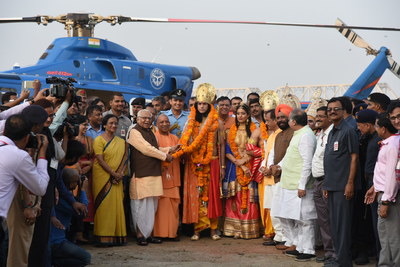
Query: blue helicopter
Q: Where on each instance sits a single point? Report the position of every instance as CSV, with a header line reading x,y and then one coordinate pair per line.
x,y
102,67
99,66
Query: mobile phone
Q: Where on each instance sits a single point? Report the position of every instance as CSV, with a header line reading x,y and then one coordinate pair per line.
x,y
28,84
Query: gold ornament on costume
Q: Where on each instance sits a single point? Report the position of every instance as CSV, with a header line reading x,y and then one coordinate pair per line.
x,y
269,100
205,92
316,103
290,99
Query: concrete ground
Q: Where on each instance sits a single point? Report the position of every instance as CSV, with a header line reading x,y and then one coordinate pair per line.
x,y
205,252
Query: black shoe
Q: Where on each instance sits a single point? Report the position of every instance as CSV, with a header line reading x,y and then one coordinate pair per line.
x,y
154,240
141,241
270,243
292,253
361,260
324,259
304,257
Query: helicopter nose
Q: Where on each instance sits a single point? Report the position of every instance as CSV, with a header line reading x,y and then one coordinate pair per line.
x,y
195,73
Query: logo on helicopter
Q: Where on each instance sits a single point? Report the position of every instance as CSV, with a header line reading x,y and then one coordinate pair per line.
x,y
157,78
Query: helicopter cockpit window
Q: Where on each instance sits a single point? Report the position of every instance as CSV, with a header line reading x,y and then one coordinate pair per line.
x,y
44,55
106,69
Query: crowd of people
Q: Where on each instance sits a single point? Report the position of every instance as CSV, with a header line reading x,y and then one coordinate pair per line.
x,y
74,172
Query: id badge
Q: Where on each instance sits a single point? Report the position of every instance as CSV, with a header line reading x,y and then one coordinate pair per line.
x,y
54,163
336,146
123,132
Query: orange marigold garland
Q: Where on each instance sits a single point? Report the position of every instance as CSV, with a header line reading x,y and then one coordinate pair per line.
x,y
264,136
201,147
241,177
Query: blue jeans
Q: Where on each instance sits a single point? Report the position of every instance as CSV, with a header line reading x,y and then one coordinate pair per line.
x,y
69,254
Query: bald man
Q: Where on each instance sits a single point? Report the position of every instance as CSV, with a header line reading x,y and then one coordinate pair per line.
x,y
167,216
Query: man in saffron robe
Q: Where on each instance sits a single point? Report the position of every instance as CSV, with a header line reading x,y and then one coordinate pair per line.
x,y
167,215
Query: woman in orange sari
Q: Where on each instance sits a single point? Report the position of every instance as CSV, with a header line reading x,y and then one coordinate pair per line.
x,y
242,214
108,171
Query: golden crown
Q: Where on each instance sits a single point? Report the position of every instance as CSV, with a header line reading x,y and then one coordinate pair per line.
x,y
205,92
269,100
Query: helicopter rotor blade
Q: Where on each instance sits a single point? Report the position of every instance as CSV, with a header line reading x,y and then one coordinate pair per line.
x,y
37,19
172,20
394,66
354,38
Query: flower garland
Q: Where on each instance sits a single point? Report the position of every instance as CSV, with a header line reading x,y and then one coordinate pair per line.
x,y
264,137
201,148
242,178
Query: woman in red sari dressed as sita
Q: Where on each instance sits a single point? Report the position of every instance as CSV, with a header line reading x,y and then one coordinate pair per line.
x,y
243,151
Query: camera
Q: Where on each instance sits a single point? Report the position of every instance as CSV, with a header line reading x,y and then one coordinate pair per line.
x,y
71,124
32,141
60,86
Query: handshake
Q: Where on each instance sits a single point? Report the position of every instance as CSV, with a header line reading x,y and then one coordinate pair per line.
x,y
171,151
274,170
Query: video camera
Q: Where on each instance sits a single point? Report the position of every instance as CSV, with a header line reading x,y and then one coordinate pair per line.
x,y
71,124
59,87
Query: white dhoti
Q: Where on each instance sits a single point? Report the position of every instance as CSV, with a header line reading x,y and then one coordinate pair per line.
x,y
297,216
143,214
275,205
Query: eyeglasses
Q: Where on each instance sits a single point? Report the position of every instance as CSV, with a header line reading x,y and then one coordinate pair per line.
x,y
321,116
145,118
334,109
393,118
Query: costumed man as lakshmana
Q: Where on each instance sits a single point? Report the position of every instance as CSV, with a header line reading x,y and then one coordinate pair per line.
x,y
167,216
269,100
202,141
146,183
243,151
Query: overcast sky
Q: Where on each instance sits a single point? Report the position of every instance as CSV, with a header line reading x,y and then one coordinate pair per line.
x,y
227,55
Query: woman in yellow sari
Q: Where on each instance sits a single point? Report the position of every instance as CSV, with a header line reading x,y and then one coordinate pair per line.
x,y
108,171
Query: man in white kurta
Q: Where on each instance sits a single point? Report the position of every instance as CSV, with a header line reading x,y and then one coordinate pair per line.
x,y
146,183
297,209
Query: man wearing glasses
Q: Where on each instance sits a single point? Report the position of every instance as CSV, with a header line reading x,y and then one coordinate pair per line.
x,y
340,165
321,204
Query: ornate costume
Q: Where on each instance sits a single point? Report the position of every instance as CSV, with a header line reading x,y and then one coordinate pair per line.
x,y
242,211
201,198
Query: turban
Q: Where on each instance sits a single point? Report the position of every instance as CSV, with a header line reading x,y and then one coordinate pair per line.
x,y
285,109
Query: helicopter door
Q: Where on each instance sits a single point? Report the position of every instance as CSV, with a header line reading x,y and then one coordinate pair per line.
x,y
127,75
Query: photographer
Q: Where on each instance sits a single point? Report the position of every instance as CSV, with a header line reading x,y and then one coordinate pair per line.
x,y
25,206
16,166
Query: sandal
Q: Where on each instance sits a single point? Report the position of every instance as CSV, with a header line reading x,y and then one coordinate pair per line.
x,y
237,236
195,237
215,237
